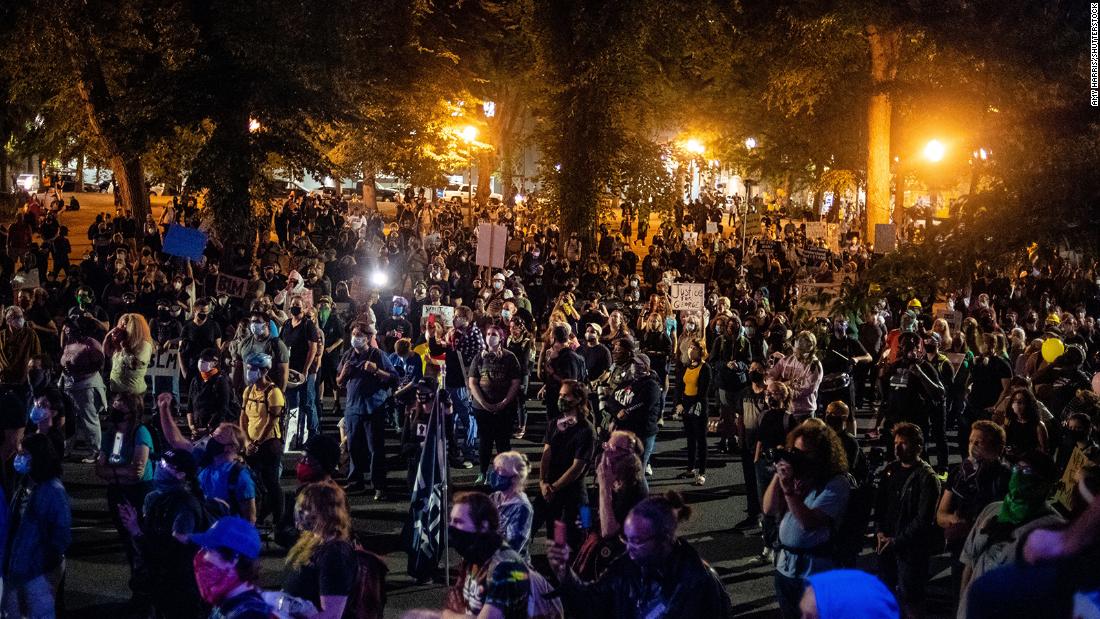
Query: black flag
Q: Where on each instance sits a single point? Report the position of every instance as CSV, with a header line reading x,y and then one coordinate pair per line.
x,y
426,509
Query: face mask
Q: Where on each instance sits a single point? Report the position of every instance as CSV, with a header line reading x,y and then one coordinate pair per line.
x,y
1077,436
162,313
295,311
306,473
398,310
358,342
565,404
473,547
498,285
535,254
39,414
22,463
492,341
773,402
38,377
164,477
117,415
214,582
591,337
17,323
506,314
689,327
460,322
756,377
750,331
253,376
257,328
206,366
323,313
1026,498
498,482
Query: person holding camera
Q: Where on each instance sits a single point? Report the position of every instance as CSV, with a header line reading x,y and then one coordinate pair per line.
x,y
809,494
914,389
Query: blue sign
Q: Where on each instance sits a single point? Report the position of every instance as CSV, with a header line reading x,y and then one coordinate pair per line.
x,y
184,242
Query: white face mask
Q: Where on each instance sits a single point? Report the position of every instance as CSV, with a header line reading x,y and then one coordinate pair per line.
x,y
498,285
492,341
206,366
358,342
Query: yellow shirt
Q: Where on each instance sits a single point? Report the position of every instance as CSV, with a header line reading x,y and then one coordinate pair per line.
x,y
256,412
691,380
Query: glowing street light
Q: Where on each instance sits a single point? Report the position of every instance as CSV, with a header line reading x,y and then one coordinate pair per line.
x,y
750,143
934,151
469,133
694,146
254,125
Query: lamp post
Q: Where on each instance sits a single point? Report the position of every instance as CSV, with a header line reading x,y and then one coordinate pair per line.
x,y
933,152
469,135
750,143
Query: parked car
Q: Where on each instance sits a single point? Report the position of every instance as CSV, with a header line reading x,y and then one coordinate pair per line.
x,y
461,194
381,194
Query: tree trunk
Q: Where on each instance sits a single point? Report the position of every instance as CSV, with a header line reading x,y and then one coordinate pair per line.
x,y
369,197
79,173
130,178
484,177
5,186
884,45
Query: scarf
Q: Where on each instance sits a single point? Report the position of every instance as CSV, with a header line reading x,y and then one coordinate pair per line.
x,y
1026,499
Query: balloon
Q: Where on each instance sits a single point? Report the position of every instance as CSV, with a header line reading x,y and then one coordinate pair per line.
x,y
1052,349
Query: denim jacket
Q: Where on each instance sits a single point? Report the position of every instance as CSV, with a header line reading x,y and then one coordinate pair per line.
x,y
41,533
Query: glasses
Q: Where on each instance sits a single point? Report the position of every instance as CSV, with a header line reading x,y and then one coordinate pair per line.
x,y
1022,469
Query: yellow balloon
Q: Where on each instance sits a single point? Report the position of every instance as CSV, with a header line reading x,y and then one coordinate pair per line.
x,y
1052,349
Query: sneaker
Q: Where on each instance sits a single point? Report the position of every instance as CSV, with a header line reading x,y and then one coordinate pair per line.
x,y
480,480
466,464
767,556
700,480
688,474
520,431
750,521
661,422
379,495
355,487
649,470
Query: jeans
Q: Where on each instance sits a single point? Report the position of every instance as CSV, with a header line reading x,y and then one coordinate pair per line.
x,y
267,463
463,417
788,592
304,398
494,430
88,402
521,407
753,494
134,494
366,447
695,426
32,599
650,443
905,573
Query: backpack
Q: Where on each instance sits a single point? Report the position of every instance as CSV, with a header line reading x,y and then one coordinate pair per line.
x,y
368,598
214,508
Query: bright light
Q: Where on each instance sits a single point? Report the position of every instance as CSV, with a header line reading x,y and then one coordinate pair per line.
x,y
694,146
934,150
379,279
254,125
983,154
557,167
490,109
519,198
750,143
469,133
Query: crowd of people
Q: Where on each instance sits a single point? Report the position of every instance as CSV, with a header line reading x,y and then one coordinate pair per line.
x,y
377,321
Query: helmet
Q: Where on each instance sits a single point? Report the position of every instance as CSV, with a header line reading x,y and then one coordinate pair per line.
x,y
258,360
914,304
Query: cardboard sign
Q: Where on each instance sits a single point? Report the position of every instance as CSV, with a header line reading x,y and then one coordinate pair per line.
x,y
815,255
753,223
816,230
446,313
712,227
164,373
492,242
232,286
690,237
953,318
25,280
766,247
687,296
184,242
885,238
1063,492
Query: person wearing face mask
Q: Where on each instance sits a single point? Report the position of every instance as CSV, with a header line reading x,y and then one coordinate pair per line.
x,y
493,381
397,325
507,479
635,405
566,453
18,344
332,331
597,363
914,390
124,464
802,372
367,374
303,338
691,403
171,512
1077,436
661,576
227,570
730,359
200,333
260,340
493,580
842,355
41,531
48,416
1001,529
905,519
165,329
210,400
263,406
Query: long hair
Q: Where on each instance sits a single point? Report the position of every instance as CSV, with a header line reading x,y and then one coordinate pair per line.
x,y
579,391
321,511
1031,406
137,333
824,447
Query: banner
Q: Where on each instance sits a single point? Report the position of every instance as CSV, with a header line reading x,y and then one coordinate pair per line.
x,y
753,223
184,242
446,313
232,286
687,296
815,255
427,509
492,241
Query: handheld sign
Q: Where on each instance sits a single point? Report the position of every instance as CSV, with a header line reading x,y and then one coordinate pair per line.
x,y
184,242
492,241
687,296
766,247
446,313
815,255
232,286
885,239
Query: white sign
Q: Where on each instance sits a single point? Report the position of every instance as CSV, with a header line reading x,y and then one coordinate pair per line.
x,y
687,296
164,365
232,286
492,241
753,222
28,279
712,227
816,230
445,312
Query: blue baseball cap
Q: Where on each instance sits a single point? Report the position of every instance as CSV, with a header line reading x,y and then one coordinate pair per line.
x,y
233,533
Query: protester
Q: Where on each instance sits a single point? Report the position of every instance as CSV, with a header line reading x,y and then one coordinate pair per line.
x,y
493,383
567,453
322,564
366,373
507,480
227,570
263,433
691,402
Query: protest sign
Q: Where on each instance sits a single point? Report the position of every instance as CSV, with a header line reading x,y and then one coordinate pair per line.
x,y
953,318
815,255
753,223
766,247
687,296
691,237
25,280
184,242
444,312
232,286
712,227
492,240
1063,492
885,238
163,372
816,230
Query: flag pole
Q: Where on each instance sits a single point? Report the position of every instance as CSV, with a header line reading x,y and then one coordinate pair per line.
x,y
445,511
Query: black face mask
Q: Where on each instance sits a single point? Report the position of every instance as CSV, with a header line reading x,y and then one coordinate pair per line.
x,y
473,547
117,415
296,311
773,402
757,378
836,423
38,377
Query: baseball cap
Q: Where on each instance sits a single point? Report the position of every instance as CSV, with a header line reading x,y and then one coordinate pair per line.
x,y
232,533
180,460
499,276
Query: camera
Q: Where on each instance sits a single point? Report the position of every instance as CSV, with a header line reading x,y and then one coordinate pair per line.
x,y
795,458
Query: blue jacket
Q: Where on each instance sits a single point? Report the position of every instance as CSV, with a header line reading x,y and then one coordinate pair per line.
x,y
42,531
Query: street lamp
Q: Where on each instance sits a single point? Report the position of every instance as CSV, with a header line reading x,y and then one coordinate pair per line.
x,y
469,135
934,151
694,146
750,142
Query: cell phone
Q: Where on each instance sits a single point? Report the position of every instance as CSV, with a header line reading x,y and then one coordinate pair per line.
x,y
559,532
